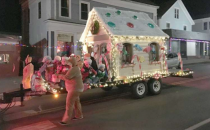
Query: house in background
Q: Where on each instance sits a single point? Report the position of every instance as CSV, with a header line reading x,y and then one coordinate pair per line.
x,y
175,20
9,54
61,22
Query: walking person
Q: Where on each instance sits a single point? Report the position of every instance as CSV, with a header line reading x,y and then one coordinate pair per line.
x,y
74,87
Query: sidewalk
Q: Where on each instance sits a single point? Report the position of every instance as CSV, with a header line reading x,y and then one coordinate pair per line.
x,y
195,60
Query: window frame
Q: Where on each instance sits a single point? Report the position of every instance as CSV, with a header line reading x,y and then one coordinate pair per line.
x,y
131,49
168,23
80,11
69,17
176,13
157,52
184,28
39,10
204,25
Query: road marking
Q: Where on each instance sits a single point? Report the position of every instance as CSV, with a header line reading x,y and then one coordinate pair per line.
x,y
192,80
44,125
199,124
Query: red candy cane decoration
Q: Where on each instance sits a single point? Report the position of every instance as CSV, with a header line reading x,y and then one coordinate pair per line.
x,y
180,59
102,56
137,60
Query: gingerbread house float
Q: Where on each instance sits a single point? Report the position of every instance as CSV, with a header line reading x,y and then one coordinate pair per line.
x,y
130,44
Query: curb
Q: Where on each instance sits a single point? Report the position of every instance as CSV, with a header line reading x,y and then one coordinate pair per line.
x,y
205,62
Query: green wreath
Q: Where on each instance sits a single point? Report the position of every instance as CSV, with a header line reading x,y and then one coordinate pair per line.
x,y
95,28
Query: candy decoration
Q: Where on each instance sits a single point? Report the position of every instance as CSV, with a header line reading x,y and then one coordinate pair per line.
x,y
102,56
150,25
147,49
108,14
135,17
180,60
111,24
142,59
119,47
132,60
109,47
138,47
118,12
130,25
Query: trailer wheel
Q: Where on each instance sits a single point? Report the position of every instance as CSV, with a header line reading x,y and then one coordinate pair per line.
x,y
139,90
155,86
106,88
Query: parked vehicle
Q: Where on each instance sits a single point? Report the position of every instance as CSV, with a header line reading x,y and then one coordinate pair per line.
x,y
173,61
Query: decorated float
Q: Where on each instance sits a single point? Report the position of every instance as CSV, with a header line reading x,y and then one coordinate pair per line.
x,y
131,46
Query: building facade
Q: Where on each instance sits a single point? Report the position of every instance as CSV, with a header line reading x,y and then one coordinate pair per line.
x,y
61,22
175,20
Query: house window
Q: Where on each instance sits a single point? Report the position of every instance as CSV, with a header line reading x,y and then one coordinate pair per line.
x,y
185,28
39,10
4,58
154,53
65,8
168,25
177,13
127,53
205,25
84,10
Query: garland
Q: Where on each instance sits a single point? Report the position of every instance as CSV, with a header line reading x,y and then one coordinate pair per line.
x,y
95,27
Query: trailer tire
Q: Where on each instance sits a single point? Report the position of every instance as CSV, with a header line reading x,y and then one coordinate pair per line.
x,y
155,86
139,90
106,88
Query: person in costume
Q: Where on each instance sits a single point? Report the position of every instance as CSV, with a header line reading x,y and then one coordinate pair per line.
x,y
102,75
88,73
74,87
28,72
56,63
47,67
93,64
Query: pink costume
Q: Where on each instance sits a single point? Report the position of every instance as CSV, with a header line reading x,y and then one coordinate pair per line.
x,y
27,73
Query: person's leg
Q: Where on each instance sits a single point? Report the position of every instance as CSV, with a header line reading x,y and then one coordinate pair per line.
x,y
78,108
70,100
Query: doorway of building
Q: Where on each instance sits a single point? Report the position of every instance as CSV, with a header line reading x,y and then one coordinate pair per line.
x,y
183,49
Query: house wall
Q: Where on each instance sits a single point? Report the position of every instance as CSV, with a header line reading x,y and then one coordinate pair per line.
x,y
169,17
51,23
199,25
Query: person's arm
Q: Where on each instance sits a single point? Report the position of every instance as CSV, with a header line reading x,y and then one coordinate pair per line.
x,y
42,69
93,71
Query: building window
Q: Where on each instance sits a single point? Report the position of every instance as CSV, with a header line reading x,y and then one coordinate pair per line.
x,y
185,28
65,8
84,10
154,53
177,13
39,10
205,24
4,58
168,25
127,53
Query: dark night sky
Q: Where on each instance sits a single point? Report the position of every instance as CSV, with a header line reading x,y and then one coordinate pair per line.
x,y
10,12
10,16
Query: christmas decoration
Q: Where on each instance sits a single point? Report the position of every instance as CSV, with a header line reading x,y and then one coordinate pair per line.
x,y
141,59
130,25
111,24
108,14
119,47
147,49
95,27
138,47
118,12
135,17
106,61
150,25
109,47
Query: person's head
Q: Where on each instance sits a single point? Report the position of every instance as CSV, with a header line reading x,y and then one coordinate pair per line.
x,y
57,59
64,60
72,60
87,63
101,67
28,59
47,59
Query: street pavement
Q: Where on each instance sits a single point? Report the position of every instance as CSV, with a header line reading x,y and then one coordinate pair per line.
x,y
182,105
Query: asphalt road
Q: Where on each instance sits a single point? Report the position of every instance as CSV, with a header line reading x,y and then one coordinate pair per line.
x,y
185,105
